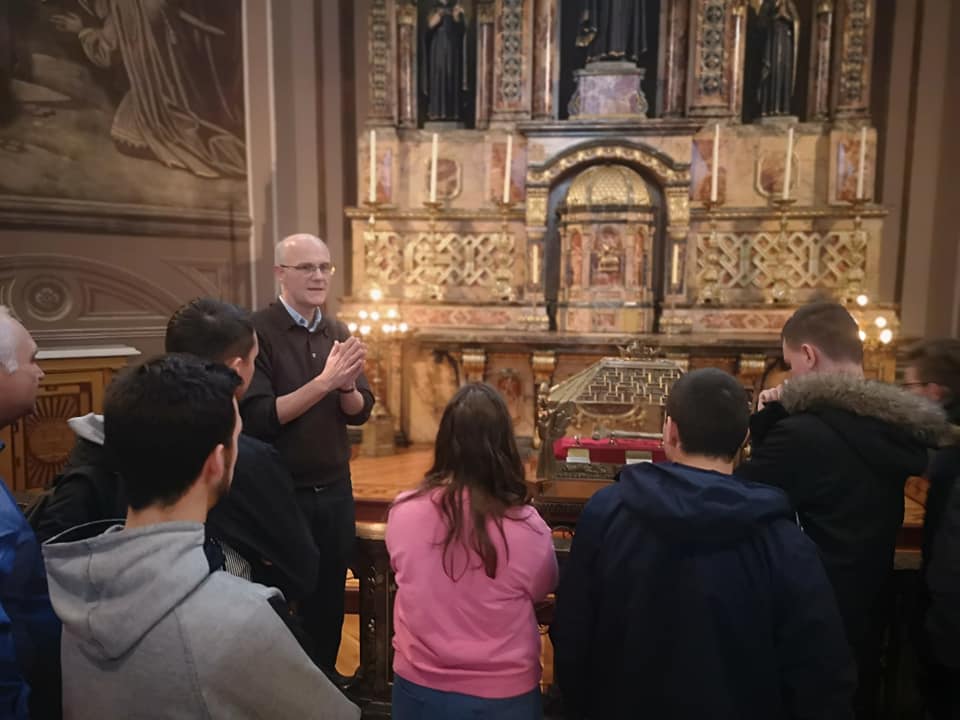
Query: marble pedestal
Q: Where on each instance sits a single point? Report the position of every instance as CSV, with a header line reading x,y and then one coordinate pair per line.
x,y
611,90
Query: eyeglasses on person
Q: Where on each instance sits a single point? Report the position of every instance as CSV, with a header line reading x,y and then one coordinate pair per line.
x,y
311,268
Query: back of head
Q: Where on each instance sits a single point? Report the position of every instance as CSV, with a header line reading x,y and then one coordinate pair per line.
x,y
711,411
829,327
162,420
476,451
211,329
938,362
19,372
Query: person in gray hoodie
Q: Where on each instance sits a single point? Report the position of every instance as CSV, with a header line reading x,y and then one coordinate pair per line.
x,y
146,622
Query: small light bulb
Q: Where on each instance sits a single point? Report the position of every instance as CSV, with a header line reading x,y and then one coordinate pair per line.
x,y
375,316
352,327
863,336
392,313
880,322
364,329
404,327
886,336
362,314
376,294
862,300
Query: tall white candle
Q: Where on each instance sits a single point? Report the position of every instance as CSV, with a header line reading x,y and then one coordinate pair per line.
x,y
535,263
372,194
788,167
506,169
675,266
433,168
861,167
715,166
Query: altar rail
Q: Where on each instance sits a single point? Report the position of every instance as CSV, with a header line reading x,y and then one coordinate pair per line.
x,y
378,588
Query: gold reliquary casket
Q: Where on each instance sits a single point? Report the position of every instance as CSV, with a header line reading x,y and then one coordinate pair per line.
x,y
606,416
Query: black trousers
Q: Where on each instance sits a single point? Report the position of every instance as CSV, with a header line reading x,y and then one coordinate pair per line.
x,y
329,512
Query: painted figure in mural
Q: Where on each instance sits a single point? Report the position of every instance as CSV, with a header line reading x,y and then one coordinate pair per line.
x,y
613,30
443,73
778,24
183,61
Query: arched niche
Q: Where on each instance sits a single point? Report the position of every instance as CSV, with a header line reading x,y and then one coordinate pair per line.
x,y
549,184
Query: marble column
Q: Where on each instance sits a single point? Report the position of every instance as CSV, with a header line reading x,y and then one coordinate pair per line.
x,y
546,59
383,77
407,63
485,16
512,69
676,22
853,62
818,93
717,37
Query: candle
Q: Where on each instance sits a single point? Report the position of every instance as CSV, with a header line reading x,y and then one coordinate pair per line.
x,y
535,262
715,167
433,169
788,167
863,161
373,166
506,170
675,266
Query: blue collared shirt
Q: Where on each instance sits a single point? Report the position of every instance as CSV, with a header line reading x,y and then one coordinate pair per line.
x,y
301,320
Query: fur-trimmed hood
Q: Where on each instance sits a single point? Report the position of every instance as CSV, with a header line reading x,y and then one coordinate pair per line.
x,y
915,416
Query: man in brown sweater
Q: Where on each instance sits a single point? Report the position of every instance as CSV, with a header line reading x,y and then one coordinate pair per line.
x,y
308,386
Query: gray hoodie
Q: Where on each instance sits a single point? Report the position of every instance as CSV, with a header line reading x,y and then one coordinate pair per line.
x,y
149,632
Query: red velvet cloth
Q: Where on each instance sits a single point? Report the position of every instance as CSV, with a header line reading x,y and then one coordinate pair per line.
x,y
609,451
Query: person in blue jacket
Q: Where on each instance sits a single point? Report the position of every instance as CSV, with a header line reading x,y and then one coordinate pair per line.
x,y
690,593
29,629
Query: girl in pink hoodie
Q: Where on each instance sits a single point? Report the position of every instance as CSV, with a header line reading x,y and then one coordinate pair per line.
x,y
471,558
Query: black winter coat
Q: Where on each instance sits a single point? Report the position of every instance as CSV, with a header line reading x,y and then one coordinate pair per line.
x,y
259,517
842,448
690,594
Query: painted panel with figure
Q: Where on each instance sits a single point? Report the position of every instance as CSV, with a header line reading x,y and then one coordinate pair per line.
x,y
118,103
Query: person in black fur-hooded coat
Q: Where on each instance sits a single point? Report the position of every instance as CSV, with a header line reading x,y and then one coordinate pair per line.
x,y
842,447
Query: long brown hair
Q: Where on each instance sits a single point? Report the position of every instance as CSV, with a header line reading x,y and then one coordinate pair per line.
x,y
475,455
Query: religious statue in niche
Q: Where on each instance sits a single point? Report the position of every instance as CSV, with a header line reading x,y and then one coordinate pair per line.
x,y
613,30
778,37
443,72
606,266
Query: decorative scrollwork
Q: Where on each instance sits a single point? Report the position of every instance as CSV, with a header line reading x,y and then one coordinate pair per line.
x,y
379,58
854,56
511,52
432,264
711,47
752,261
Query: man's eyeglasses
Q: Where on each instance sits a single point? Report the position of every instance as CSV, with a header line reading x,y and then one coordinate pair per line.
x,y
311,268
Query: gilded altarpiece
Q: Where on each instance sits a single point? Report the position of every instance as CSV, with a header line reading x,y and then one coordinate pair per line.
x,y
668,230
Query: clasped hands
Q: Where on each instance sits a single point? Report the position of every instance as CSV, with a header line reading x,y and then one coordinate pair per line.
x,y
344,365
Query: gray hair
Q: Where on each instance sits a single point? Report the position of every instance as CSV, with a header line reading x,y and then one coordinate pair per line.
x,y
8,347
280,250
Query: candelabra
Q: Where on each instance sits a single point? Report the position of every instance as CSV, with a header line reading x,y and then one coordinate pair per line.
x,y
779,291
503,276
709,290
854,274
380,325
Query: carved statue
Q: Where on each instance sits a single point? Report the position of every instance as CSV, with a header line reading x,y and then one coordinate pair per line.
x,y
778,24
613,30
443,72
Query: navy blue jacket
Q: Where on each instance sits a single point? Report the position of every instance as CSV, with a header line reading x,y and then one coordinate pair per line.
x,y
693,594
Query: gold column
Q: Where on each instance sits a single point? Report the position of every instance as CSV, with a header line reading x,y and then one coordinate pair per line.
x,y
407,57
512,52
820,49
674,54
545,58
383,90
485,15
716,53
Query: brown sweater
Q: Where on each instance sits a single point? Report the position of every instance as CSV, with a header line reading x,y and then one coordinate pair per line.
x,y
314,446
